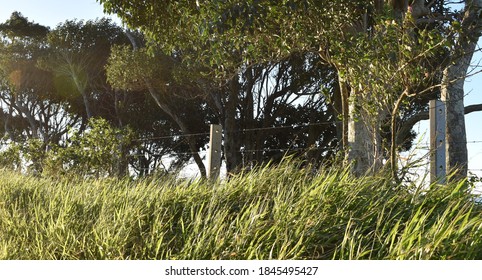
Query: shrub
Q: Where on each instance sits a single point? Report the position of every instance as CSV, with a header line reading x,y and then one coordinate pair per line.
x,y
100,151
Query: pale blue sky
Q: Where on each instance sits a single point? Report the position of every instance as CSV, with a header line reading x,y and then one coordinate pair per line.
x,y
53,12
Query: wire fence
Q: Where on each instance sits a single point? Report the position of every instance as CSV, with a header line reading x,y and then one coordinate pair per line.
x,y
296,126
422,146
421,155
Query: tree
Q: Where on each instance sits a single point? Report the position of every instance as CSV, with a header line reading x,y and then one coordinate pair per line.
x,y
134,69
452,91
78,53
224,88
35,113
283,108
22,81
381,53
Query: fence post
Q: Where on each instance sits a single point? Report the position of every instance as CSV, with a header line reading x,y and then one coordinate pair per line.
x,y
437,141
214,155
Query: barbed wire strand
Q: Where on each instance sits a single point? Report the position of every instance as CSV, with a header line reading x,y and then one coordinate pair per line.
x,y
238,131
264,128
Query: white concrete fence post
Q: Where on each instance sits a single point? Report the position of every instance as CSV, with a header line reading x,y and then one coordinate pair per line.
x,y
437,142
214,155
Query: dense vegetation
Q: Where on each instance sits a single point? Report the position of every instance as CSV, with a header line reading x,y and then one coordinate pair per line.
x,y
89,111
297,77
283,212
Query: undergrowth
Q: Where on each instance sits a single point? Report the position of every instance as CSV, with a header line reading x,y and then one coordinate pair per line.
x,y
282,212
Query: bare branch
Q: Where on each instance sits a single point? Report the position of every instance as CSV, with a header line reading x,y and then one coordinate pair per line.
x,y
408,124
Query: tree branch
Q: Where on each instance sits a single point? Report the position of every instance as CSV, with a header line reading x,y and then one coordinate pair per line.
x,y
472,108
434,19
408,124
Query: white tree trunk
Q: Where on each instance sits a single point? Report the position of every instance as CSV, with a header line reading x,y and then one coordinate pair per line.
x,y
364,139
452,91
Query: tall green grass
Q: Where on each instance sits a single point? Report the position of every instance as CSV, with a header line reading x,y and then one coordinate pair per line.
x,y
282,212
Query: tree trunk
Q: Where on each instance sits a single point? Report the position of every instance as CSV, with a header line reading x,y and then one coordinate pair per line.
x,y
85,98
231,131
81,87
190,140
164,107
344,113
249,139
364,141
453,96
8,116
452,91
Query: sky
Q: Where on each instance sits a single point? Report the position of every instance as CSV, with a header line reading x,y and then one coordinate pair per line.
x,y
53,12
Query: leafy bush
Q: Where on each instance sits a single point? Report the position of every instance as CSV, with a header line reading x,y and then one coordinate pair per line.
x,y
10,158
97,152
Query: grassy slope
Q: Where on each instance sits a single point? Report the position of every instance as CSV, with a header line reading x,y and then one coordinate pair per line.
x,y
270,213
